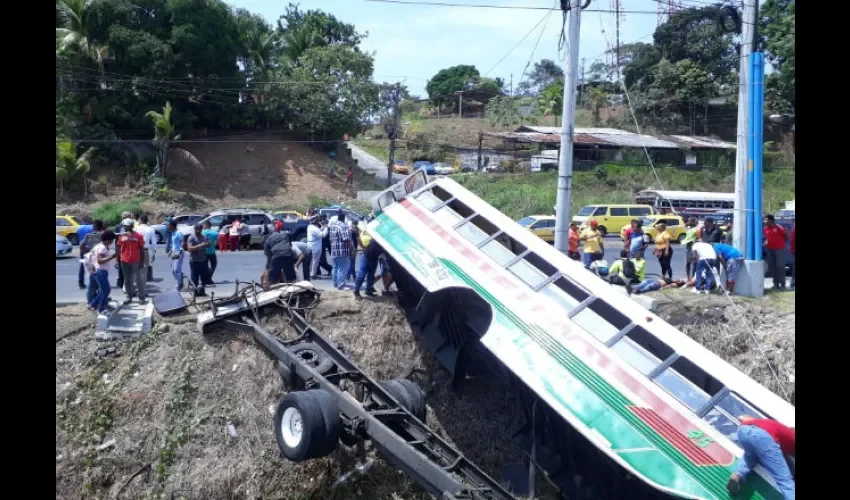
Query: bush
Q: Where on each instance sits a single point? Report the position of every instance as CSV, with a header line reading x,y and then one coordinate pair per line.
x,y
110,212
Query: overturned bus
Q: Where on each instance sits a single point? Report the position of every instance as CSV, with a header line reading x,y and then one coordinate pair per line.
x,y
603,388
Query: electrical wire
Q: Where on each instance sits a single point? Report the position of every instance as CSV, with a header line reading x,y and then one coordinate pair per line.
x,y
545,16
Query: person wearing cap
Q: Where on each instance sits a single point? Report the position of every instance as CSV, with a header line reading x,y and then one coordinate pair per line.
x,y
767,443
197,244
126,221
316,233
572,241
131,247
342,248
690,239
594,249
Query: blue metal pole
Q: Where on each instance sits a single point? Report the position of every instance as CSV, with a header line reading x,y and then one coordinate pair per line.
x,y
752,229
757,149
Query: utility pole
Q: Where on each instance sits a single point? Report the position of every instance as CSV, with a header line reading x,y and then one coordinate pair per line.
x,y
460,104
392,133
617,17
480,140
565,163
581,84
739,227
512,85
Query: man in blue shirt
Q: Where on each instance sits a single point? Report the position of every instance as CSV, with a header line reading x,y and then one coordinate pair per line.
x,y
176,254
212,259
732,260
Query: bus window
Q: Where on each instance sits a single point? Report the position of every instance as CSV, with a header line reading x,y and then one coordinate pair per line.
x,y
635,355
736,407
566,293
503,249
533,270
601,320
453,212
386,200
433,197
689,383
725,415
472,232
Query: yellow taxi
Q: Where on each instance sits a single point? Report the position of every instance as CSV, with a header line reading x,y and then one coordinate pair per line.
x,y
541,225
675,226
288,215
66,225
400,167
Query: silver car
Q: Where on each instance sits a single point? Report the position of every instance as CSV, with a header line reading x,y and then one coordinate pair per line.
x,y
258,222
63,246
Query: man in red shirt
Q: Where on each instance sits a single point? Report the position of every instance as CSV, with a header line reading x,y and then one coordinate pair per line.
x,y
130,247
794,253
766,443
774,243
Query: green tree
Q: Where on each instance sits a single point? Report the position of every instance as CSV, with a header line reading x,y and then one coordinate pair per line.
x,y
777,25
596,100
329,29
544,73
446,82
69,166
73,33
163,134
297,41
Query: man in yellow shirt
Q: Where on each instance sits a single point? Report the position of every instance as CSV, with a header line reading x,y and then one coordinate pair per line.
x,y
664,251
594,249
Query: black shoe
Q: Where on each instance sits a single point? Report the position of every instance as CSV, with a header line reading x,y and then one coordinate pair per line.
x,y
142,302
127,301
357,296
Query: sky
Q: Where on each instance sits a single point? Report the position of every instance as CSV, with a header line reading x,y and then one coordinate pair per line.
x,y
411,43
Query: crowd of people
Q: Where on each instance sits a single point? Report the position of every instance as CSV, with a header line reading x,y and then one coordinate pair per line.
x,y
708,251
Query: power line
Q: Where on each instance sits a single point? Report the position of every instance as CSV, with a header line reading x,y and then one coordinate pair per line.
x,y
508,7
545,16
201,141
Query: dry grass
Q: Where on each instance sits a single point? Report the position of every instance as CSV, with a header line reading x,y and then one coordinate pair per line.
x,y
167,400
757,336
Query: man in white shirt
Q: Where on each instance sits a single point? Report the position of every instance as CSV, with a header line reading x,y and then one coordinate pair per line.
x,y
149,237
316,232
706,259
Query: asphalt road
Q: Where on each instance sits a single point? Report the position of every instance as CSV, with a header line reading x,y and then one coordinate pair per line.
x,y
244,266
372,165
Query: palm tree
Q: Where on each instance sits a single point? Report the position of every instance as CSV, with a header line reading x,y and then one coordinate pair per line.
x,y
296,42
163,134
73,36
551,101
70,166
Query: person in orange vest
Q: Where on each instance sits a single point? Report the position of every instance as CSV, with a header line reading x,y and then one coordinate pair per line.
x,y
572,250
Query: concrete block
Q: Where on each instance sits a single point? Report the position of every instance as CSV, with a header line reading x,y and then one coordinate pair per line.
x,y
128,321
647,302
750,282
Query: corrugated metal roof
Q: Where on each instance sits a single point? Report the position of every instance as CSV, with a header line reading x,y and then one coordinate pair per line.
x,y
689,195
606,137
699,142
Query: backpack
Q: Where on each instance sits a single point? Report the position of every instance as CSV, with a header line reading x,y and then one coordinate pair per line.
x,y
629,270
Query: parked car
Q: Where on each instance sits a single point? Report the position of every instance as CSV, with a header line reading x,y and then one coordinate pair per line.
x,y
259,223
610,217
427,165
675,227
443,168
541,225
182,219
66,226
63,246
350,215
400,167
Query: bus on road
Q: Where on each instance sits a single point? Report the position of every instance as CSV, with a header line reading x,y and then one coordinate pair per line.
x,y
686,203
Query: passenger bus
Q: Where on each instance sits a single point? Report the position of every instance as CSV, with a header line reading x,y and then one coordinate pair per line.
x,y
686,203
600,385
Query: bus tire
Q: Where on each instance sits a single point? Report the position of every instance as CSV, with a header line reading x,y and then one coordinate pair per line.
x,y
300,427
408,394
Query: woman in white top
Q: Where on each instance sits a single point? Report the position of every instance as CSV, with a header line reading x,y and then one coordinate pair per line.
x,y
235,232
315,235
98,265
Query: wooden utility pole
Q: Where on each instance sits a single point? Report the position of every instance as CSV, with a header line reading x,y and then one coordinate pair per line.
x,y
617,16
480,139
460,104
392,133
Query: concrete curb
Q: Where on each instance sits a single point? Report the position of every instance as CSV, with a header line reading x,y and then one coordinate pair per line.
x,y
646,302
